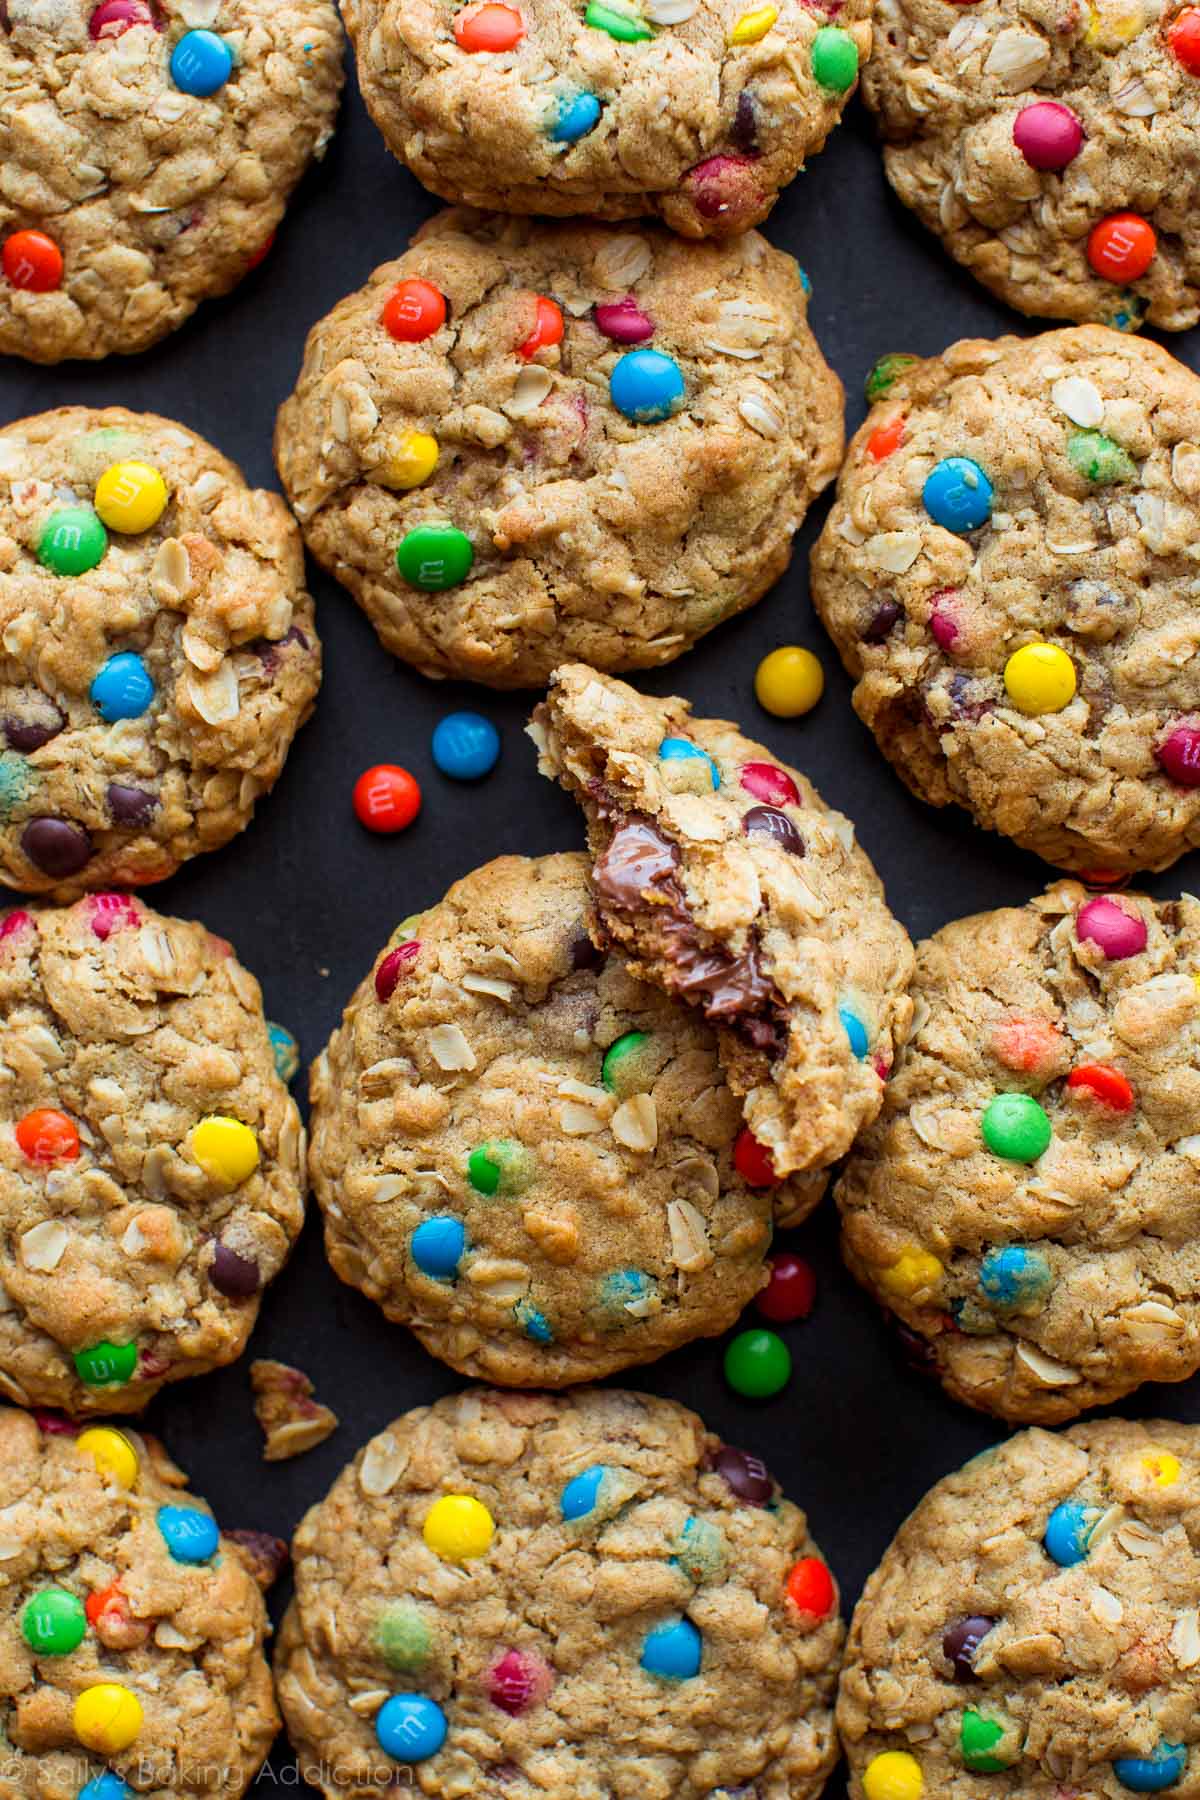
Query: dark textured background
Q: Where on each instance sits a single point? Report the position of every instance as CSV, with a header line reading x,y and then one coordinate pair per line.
x,y
309,898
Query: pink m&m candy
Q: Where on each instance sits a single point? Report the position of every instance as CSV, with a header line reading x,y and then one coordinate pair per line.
x,y
13,924
624,321
726,188
393,966
113,18
766,781
1179,755
1117,932
518,1681
111,912
1047,134
942,622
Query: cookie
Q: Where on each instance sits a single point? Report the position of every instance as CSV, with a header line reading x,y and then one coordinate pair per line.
x,y
159,649
151,1160
529,1595
522,443
1051,150
1032,1629
723,878
525,1155
1007,574
133,1631
149,149
698,112
1026,1201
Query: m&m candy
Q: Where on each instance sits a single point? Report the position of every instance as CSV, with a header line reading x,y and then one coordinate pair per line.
x,y
855,1030
1099,459
753,1161
410,1727
413,311
625,1069
623,321
386,798
957,494
393,966
438,1246
757,1364
787,683
123,688
106,1786
1122,247
501,1166
1040,678
201,63
1178,756
190,1535
234,1275
411,460
113,18
646,386
626,27
110,1452
675,749
753,25
1151,1774
53,1622
767,781
402,1636
32,261
791,1291
1068,1532
547,330
105,1364
886,439
978,1738
1048,134
834,59
130,497
579,1496
673,1652
285,1051
1183,35
1163,1468
225,1149
1111,928
47,1136
811,1589
72,541
465,746
913,1270
1012,1276
107,1718
574,116
1106,1085
1016,1127
459,1528
961,1641
435,557
490,27
884,374
893,1775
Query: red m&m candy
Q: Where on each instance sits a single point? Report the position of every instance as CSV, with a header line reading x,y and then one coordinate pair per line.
x,y
791,1291
33,262
810,1588
1108,1085
489,27
1179,755
753,1161
386,798
886,439
1183,35
414,311
48,1136
548,329
1047,134
766,781
393,966
1122,247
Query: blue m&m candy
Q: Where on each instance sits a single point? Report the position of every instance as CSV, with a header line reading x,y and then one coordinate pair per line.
x,y
855,1030
579,1496
577,115
189,1534
1013,1276
533,1323
465,746
1068,1532
410,1727
1151,1774
201,62
674,749
123,688
624,1288
673,1651
104,1787
957,494
437,1247
646,386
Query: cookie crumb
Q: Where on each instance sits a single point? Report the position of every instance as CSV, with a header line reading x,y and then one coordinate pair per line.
x,y
292,1421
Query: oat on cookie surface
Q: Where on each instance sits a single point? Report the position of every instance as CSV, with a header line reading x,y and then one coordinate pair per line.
x,y
133,1633
151,1161
1032,1630
1026,1200
1051,148
571,1595
522,443
724,878
696,111
149,148
159,648
1008,573
524,1154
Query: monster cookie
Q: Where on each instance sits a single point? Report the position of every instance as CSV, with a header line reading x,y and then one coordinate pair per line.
x,y
133,1631
724,878
526,1595
159,651
521,443
149,148
1052,152
524,1154
1008,574
1033,1629
698,111
150,1157
1027,1200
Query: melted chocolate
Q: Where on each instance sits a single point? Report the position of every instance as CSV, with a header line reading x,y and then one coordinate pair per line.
x,y
638,857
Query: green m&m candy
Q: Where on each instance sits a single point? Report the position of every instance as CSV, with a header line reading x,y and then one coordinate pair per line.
x,y
834,59
978,1738
501,1167
72,541
1098,459
402,1637
106,1365
1016,1127
433,557
624,1070
757,1364
626,27
885,373
53,1622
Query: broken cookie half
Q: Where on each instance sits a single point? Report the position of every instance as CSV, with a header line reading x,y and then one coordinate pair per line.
x,y
726,880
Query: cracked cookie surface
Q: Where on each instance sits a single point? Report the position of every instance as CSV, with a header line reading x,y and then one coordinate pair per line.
x,y
151,1160
700,112
1032,1630
116,1576
475,484
1026,1200
1023,132
156,667
725,879
525,1155
133,189
602,1538
1008,573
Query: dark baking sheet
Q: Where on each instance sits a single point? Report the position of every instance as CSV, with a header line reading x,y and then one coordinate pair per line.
x,y
309,898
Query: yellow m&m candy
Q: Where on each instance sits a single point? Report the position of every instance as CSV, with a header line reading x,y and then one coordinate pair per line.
x,y
107,1718
1162,1467
893,1776
131,497
1040,678
413,459
112,1453
459,1527
226,1150
754,25
912,1270
789,682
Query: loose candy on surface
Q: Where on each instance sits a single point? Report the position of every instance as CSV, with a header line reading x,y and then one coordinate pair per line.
x,y
791,1292
466,746
758,1364
788,683
386,798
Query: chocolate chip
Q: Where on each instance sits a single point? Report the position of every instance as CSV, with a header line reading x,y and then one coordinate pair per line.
x,y
265,1556
744,131
267,649
637,858
131,806
56,847
744,1475
728,984
583,953
885,617
961,1641
28,735
768,821
235,1276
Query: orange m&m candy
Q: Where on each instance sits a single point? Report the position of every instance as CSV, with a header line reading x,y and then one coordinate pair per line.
x,y
414,311
810,1588
33,261
1121,247
1183,35
47,1136
489,27
548,329
386,798
885,439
